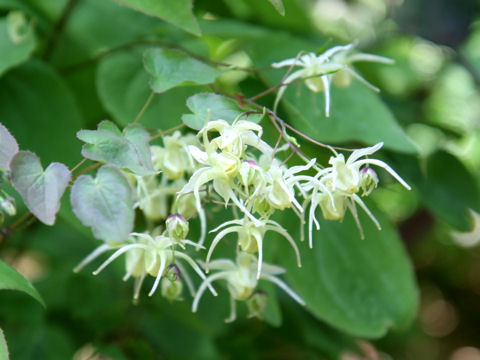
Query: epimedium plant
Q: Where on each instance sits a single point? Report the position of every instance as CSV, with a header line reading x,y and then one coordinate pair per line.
x,y
294,209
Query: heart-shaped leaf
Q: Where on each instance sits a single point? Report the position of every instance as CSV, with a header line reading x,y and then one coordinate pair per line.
x,y
122,85
8,148
104,203
128,150
41,190
208,107
11,279
169,68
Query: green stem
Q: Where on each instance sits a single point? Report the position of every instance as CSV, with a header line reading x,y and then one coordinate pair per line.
x,y
144,108
163,133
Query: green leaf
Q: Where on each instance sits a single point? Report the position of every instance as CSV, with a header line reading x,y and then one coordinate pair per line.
x,y
11,279
177,12
446,187
362,287
39,109
104,203
41,190
449,189
278,5
129,150
122,85
3,347
8,148
169,68
209,107
17,40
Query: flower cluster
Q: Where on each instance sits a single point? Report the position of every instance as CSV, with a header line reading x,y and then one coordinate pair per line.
x,y
229,163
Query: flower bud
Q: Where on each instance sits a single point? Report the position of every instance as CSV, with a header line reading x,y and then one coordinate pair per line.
x,y
173,273
177,227
172,285
257,303
7,204
368,180
171,290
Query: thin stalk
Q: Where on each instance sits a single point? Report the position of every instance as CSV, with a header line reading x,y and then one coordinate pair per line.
x,y
145,107
166,132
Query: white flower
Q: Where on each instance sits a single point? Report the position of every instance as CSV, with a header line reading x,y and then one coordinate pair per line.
x,y
345,176
319,70
250,238
145,254
315,70
242,280
221,169
336,187
281,183
233,138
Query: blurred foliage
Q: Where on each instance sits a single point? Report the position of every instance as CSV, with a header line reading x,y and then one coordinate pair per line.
x,y
67,65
